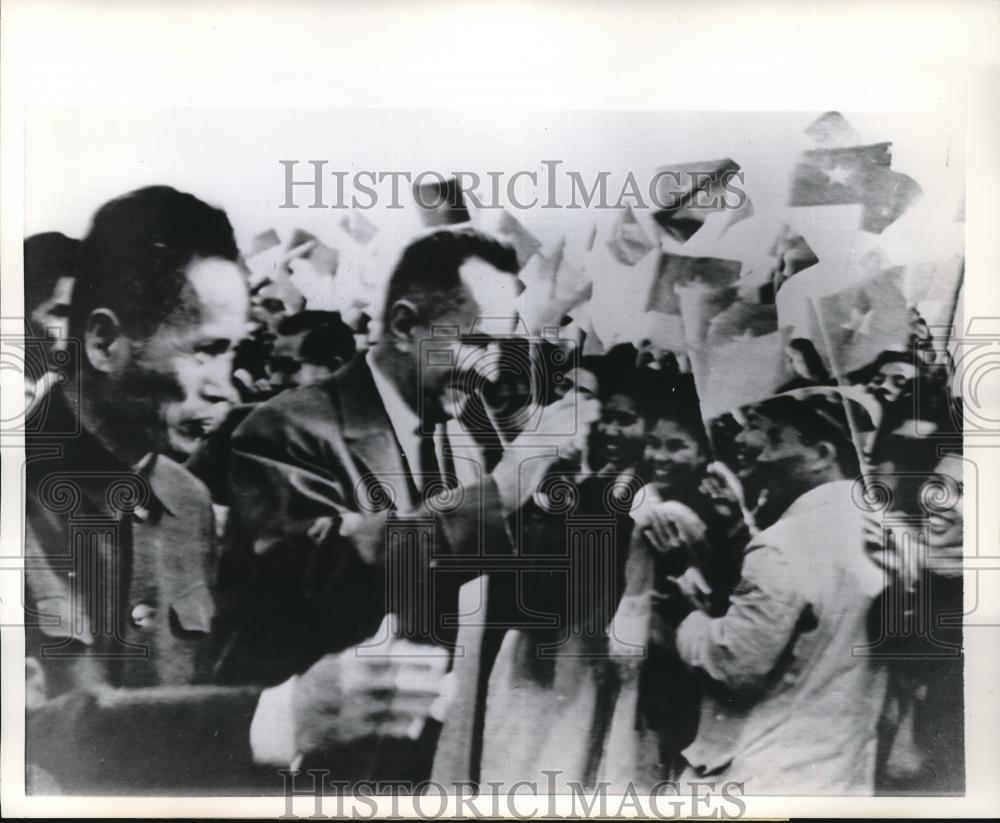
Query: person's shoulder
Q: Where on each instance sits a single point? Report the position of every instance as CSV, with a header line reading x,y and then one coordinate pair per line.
x,y
830,511
171,479
291,407
827,513
236,415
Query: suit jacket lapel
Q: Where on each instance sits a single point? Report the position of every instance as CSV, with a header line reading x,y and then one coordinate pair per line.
x,y
369,436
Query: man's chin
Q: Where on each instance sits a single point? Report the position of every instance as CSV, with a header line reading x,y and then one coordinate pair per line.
x,y
179,447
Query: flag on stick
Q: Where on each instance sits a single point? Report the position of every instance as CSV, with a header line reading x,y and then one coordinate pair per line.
x,y
313,274
832,131
699,305
629,243
675,270
831,177
441,203
687,192
722,371
513,232
553,286
857,174
263,241
857,323
739,318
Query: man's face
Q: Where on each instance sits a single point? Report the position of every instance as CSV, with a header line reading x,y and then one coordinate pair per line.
x,y
781,464
618,435
458,349
182,374
673,457
284,365
891,382
748,442
580,380
51,318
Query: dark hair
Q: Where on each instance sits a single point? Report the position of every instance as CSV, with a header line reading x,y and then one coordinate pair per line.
x,y
868,371
135,258
817,368
330,344
657,394
617,371
306,320
47,258
673,398
427,273
818,417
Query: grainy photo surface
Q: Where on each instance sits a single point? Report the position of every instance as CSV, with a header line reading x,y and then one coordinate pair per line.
x,y
567,474
414,454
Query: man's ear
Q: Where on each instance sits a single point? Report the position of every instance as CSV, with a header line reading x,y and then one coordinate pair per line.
x,y
104,341
826,454
403,319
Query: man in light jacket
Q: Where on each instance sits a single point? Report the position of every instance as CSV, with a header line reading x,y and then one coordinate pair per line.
x,y
792,699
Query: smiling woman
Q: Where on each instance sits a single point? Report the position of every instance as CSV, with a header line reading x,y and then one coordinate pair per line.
x,y
943,496
919,623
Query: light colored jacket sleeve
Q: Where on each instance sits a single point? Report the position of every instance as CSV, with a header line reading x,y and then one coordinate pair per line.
x,y
740,649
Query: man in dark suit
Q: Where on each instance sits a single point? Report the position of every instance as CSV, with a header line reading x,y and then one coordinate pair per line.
x,y
119,550
379,491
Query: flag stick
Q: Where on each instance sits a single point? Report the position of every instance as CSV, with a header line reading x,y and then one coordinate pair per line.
x,y
956,298
848,411
697,363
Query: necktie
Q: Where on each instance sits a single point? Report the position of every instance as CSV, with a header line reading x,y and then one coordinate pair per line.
x,y
433,477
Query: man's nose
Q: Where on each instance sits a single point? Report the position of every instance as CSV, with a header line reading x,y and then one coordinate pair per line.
x,y
217,385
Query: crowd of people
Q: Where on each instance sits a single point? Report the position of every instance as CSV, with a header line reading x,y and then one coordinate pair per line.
x,y
419,546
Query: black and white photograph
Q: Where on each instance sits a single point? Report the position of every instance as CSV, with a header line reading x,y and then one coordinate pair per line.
x,y
594,456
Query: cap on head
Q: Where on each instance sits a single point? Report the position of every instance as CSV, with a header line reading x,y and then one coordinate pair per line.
x,y
820,416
